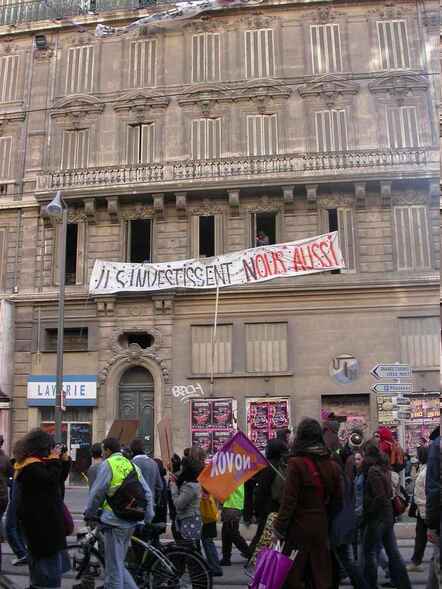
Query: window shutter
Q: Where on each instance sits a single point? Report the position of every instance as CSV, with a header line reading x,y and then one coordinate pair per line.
x,y
326,48
206,139
413,245
194,236
402,127
347,238
133,139
142,63
80,69
206,57
393,45
147,143
331,130
75,149
9,77
5,158
82,155
262,134
81,253
267,347
259,53
2,258
219,235
420,341
202,349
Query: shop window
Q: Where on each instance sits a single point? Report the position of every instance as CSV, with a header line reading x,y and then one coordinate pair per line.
x,y
206,236
342,220
264,229
203,352
76,339
267,349
139,241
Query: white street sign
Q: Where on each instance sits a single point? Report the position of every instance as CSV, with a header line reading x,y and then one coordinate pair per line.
x,y
391,371
403,402
392,388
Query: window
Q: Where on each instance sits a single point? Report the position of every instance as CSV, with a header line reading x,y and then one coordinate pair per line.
x,y
393,45
262,134
206,139
141,146
75,253
139,241
142,72
203,352
206,57
5,158
71,253
75,149
402,127
260,54
420,341
326,49
263,229
267,347
331,130
413,249
342,220
9,77
75,339
207,236
141,338
80,70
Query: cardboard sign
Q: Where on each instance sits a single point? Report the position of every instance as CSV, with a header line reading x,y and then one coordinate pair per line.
x,y
165,438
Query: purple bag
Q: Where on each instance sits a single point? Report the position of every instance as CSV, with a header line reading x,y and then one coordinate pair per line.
x,y
272,569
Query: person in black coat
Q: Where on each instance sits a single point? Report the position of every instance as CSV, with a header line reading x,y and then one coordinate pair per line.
x,y
40,474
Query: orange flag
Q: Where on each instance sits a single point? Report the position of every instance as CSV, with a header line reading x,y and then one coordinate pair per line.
x,y
237,462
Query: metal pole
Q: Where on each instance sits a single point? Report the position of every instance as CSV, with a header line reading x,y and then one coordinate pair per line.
x,y
60,330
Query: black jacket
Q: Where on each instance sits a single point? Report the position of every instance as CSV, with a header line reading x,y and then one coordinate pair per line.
x,y
40,506
433,486
263,503
378,494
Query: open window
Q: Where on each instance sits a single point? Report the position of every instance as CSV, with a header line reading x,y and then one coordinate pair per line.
x,y
342,220
75,339
139,241
71,253
264,229
75,253
206,236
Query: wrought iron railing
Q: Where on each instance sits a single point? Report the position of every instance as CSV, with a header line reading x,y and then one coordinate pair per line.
x,y
15,12
293,166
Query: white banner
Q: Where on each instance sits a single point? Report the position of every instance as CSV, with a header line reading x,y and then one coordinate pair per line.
x,y
317,254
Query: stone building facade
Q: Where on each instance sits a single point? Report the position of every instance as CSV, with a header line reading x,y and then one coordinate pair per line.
x,y
288,119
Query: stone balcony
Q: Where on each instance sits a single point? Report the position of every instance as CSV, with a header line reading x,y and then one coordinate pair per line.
x,y
281,169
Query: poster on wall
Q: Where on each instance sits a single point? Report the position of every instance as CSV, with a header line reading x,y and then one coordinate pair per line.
x,y
265,416
425,417
212,423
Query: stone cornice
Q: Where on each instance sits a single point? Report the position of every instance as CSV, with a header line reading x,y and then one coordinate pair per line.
x,y
76,109
138,103
329,88
11,118
399,86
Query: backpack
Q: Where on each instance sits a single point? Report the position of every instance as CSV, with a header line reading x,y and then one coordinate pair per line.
x,y
278,484
129,500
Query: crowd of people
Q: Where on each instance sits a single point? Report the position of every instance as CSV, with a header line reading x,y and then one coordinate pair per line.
x,y
332,503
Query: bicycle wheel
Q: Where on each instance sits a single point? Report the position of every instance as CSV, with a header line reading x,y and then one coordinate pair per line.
x,y
86,562
191,569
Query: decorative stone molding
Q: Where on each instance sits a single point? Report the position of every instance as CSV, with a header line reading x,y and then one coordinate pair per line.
x,y
181,201
399,86
158,204
137,212
113,208
163,305
117,348
75,111
360,194
258,21
386,186
334,201
329,88
234,201
288,194
312,195
105,307
208,25
10,118
388,11
134,355
136,105
207,207
409,197
43,55
265,205
325,14
90,209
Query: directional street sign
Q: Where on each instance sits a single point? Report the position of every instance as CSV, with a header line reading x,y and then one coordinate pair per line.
x,y
404,414
403,402
391,371
392,388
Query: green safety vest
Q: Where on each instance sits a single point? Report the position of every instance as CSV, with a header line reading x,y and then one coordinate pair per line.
x,y
120,467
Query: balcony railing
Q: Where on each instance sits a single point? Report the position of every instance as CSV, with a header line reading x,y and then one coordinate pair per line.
x,y
291,166
12,13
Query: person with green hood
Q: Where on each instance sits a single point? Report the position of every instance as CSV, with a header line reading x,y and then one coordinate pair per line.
x,y
231,513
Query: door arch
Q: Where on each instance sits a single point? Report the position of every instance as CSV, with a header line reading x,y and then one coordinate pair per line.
x,y
136,401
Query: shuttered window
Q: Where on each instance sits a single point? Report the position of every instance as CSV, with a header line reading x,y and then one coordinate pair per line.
x,y
143,55
5,158
80,69
141,144
412,234
76,257
262,134
326,49
420,341
267,347
202,350
206,57
393,45
331,130
206,139
9,77
402,127
260,53
342,220
75,149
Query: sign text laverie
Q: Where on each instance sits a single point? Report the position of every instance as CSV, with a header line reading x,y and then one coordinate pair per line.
x,y
79,390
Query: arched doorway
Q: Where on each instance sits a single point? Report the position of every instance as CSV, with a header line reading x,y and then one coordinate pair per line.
x,y
136,401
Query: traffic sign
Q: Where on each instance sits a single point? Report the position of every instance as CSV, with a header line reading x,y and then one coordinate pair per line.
x,y
392,388
391,371
404,414
403,401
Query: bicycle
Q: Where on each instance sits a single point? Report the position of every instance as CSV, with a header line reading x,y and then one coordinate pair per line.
x,y
152,565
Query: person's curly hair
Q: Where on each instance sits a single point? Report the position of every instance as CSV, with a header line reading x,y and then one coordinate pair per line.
x,y
36,443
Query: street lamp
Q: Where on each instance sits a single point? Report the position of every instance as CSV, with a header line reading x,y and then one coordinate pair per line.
x,y
57,208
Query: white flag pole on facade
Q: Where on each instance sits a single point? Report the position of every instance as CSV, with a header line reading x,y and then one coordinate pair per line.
x,y
213,350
